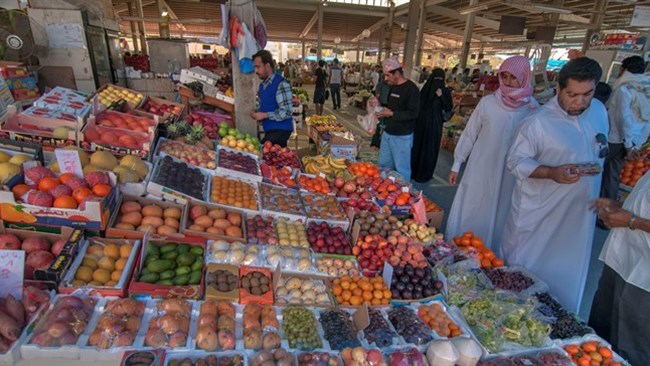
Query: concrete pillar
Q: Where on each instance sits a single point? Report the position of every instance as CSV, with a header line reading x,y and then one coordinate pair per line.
x,y
163,28
418,49
134,33
595,21
358,52
388,31
467,38
380,44
304,53
244,85
527,52
319,53
411,34
141,29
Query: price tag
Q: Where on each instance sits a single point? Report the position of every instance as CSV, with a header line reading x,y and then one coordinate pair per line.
x,y
322,175
405,189
12,272
387,274
69,162
392,179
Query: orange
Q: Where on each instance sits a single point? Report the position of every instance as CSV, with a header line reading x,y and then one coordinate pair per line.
x,y
65,202
496,262
47,183
102,190
346,295
337,290
486,263
65,176
378,294
367,296
375,302
605,352
468,234
19,190
356,300
80,193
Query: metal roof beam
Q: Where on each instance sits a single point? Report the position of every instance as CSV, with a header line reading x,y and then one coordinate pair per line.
x,y
456,31
172,15
340,8
453,14
309,25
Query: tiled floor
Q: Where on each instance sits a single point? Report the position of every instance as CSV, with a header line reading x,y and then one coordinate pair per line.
x,y
439,191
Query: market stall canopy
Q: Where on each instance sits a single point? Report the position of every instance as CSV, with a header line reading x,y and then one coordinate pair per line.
x,y
294,20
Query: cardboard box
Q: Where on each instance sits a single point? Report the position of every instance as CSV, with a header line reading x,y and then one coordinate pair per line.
x,y
200,74
39,130
94,216
12,69
98,107
142,289
113,232
435,219
268,298
28,81
13,148
156,189
66,286
159,101
142,150
136,357
50,277
213,293
185,229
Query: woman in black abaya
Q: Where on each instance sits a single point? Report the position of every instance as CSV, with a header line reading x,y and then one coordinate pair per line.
x,y
434,99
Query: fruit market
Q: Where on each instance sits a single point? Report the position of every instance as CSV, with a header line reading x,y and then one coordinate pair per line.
x,y
324,182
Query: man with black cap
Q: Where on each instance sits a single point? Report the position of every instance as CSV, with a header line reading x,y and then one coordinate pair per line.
x,y
400,114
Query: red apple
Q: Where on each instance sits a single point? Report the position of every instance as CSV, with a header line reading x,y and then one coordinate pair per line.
x,y
9,241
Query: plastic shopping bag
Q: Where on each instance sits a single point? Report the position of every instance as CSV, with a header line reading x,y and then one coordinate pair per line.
x,y
369,121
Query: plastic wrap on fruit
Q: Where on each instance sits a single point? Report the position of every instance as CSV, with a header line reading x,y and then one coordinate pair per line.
x,y
339,329
553,358
378,330
526,360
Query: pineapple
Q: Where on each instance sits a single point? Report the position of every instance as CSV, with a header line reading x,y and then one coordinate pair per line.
x,y
194,134
172,130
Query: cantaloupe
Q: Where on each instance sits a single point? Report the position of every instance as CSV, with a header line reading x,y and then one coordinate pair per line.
x,y
103,160
125,175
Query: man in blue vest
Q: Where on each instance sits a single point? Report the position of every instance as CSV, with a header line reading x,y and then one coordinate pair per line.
x,y
276,104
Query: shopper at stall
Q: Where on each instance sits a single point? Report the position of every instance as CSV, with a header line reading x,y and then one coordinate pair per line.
x,y
434,99
400,113
319,91
629,116
619,310
483,196
453,74
275,96
335,80
382,91
375,77
550,228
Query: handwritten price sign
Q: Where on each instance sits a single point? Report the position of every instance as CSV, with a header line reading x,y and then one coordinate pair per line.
x,y
69,162
12,268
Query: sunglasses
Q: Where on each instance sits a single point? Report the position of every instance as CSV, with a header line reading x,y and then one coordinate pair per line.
x,y
601,139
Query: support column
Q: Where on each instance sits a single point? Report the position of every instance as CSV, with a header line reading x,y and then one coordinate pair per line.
x,y
546,51
134,33
319,53
380,44
141,29
304,53
418,49
595,21
244,85
467,38
358,52
411,34
163,28
388,31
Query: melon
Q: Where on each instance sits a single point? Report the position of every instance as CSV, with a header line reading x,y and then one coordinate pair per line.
x,y
8,171
126,175
103,160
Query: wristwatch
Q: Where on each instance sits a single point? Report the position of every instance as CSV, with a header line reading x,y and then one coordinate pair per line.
x,y
631,223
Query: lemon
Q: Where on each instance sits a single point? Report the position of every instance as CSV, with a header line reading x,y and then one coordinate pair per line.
x,y
102,276
106,263
89,262
84,274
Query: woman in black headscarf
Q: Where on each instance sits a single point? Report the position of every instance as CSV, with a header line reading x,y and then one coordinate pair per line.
x,y
434,99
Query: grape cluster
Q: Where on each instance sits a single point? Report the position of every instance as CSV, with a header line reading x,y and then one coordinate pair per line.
x,y
409,325
566,324
339,329
510,281
378,331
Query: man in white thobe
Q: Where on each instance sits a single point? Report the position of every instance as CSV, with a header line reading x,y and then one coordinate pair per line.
x,y
550,227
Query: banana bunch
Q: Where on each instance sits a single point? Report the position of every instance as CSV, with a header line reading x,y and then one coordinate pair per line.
x,y
323,164
230,92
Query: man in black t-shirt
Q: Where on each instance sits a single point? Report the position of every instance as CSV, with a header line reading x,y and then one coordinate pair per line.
x,y
319,92
400,114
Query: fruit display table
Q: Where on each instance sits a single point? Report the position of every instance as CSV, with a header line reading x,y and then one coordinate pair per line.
x,y
187,94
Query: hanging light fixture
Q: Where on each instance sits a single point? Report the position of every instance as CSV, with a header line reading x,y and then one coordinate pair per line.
x,y
337,40
365,33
